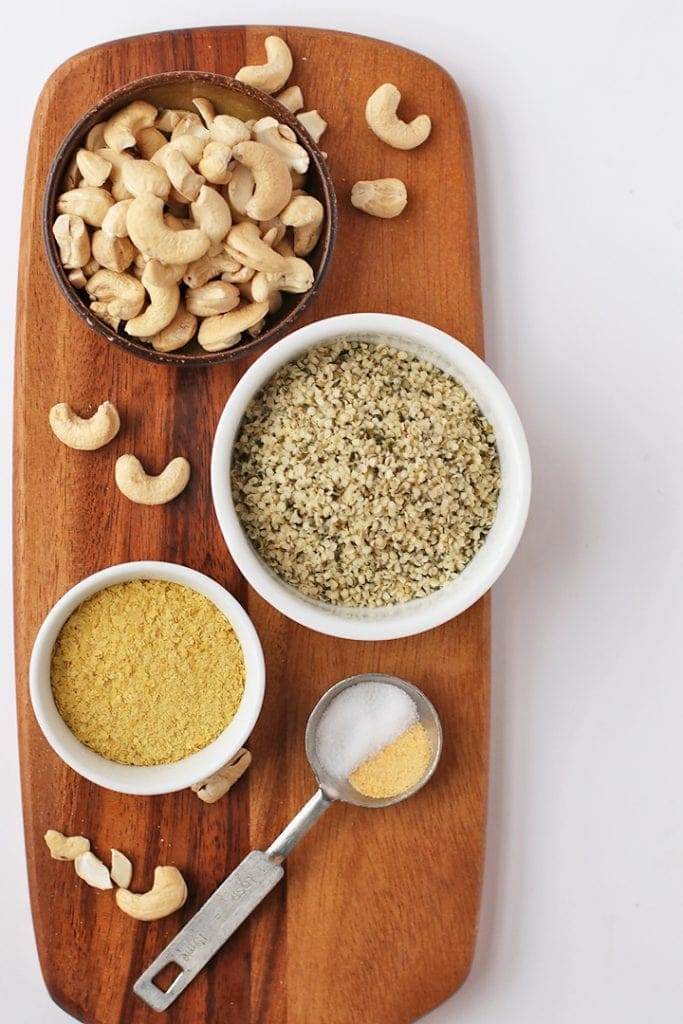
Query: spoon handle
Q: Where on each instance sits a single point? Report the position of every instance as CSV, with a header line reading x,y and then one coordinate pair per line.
x,y
224,911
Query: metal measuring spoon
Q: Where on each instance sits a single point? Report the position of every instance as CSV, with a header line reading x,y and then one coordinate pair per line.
x,y
259,872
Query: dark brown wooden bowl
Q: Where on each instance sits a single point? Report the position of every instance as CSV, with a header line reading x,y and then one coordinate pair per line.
x,y
229,96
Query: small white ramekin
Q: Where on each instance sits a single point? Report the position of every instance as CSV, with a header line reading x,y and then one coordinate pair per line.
x,y
421,614
146,780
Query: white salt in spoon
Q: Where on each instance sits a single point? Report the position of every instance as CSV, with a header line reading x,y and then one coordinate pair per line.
x,y
259,872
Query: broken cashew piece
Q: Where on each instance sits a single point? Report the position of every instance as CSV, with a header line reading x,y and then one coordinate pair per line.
x,y
271,76
122,294
385,197
167,895
63,847
90,203
121,869
137,486
382,119
85,434
217,785
91,869
314,124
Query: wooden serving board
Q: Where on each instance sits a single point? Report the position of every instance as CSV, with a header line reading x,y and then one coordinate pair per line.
x,y
376,919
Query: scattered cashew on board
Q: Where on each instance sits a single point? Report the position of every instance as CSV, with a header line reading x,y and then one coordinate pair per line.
x,y
168,892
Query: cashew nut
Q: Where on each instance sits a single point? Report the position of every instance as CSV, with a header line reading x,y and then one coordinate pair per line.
x,y
212,298
73,240
246,245
121,869
122,127
148,141
167,895
240,189
272,183
181,329
132,480
122,293
206,109
282,140
305,214
94,140
117,161
77,277
209,266
263,288
382,119
314,124
94,169
163,306
229,130
191,146
162,275
217,333
271,76
184,180
91,869
63,847
85,434
385,197
291,98
168,118
150,233
211,213
114,222
115,254
145,176
90,203
217,785
214,164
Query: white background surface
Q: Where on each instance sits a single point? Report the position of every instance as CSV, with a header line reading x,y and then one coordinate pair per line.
x,y
577,121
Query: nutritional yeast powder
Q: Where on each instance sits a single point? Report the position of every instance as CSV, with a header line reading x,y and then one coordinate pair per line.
x,y
147,672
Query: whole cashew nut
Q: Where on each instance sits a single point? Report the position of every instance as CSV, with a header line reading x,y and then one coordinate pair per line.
x,y
152,235
271,76
305,214
181,329
273,184
94,169
211,213
122,127
111,252
163,306
85,434
73,240
382,119
212,298
132,480
282,139
90,203
168,894
216,333
123,294
385,197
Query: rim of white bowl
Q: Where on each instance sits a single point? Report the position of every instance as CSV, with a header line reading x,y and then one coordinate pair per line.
x,y
146,780
475,580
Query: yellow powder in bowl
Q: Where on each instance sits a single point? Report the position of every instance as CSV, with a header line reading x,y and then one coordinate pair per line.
x,y
396,768
147,672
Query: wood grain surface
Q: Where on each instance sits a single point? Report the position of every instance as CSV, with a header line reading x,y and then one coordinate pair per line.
x,y
376,919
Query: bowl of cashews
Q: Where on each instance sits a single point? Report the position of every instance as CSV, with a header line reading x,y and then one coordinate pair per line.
x,y
189,217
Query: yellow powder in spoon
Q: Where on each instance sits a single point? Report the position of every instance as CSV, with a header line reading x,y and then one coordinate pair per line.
x,y
396,768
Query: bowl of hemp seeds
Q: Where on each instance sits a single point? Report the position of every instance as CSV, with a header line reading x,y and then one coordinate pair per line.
x,y
147,677
370,476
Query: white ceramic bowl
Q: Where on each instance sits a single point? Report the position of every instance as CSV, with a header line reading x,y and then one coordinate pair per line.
x,y
420,614
153,779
